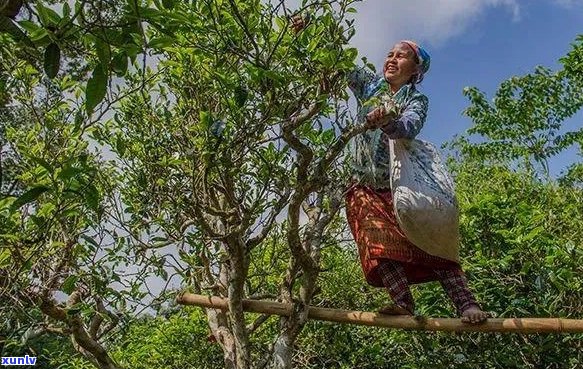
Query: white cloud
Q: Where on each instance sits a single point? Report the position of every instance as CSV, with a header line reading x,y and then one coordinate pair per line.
x,y
380,23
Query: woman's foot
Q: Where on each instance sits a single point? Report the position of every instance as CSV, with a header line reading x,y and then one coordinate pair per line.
x,y
474,315
394,309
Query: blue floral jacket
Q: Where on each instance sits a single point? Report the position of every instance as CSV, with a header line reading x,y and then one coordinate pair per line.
x,y
369,151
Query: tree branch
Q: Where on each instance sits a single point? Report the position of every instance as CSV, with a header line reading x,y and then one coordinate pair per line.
x,y
74,322
276,210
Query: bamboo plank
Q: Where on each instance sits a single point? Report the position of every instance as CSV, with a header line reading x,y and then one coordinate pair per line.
x,y
501,325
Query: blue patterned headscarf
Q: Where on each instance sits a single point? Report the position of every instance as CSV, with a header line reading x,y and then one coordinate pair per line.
x,y
422,55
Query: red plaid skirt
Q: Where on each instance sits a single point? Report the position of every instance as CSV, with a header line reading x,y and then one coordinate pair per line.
x,y
378,236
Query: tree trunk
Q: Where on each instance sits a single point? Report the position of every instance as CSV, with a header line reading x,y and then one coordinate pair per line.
x,y
239,266
282,353
79,333
217,320
284,344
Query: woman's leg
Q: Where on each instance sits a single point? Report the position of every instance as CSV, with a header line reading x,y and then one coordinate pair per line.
x,y
455,284
392,274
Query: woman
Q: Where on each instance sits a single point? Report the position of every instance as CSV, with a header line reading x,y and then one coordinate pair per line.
x,y
388,258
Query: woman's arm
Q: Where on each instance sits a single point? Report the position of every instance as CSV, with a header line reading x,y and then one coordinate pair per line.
x,y
409,124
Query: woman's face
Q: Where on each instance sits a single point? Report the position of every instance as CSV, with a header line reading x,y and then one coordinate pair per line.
x,y
399,65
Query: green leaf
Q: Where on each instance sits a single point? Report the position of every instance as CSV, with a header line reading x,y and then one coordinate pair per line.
x,y
368,64
5,258
328,136
161,42
28,196
52,60
168,4
90,240
205,119
281,22
114,37
119,64
103,50
150,13
69,284
6,203
69,172
47,15
40,37
120,146
29,26
45,210
351,53
8,26
66,10
96,89
533,233
241,96
92,197
43,163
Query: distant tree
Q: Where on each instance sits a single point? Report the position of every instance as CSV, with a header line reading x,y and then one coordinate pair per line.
x,y
523,125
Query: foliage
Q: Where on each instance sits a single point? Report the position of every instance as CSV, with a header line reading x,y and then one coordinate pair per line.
x,y
59,260
180,340
50,211
523,125
51,352
73,38
256,105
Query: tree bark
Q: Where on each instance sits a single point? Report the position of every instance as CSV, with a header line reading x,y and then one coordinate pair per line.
x,y
217,320
79,334
282,353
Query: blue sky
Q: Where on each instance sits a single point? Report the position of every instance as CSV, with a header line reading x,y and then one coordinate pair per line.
x,y
472,43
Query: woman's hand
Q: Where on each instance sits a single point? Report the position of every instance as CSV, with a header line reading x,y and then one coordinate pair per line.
x,y
378,118
298,23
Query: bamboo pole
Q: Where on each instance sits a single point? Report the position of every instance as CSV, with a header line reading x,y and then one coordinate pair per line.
x,y
511,325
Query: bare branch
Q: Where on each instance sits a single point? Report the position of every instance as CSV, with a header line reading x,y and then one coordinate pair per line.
x,y
258,323
251,243
74,322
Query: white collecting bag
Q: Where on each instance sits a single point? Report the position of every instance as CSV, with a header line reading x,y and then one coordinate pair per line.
x,y
424,198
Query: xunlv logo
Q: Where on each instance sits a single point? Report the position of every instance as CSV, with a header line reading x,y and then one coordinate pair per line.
x,y
19,360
